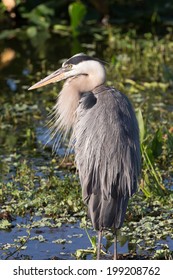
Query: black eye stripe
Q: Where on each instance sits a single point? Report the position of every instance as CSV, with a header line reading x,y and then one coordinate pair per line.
x,y
77,59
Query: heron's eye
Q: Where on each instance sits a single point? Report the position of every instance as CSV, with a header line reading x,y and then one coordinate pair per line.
x,y
69,66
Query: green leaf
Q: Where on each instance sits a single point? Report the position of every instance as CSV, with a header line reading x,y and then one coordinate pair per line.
x,y
141,124
157,143
31,31
92,240
77,12
5,224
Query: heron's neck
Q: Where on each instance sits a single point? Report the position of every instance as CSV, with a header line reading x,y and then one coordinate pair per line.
x,y
66,106
70,94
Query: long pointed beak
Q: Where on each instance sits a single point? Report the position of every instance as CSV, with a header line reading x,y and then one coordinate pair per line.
x,y
56,76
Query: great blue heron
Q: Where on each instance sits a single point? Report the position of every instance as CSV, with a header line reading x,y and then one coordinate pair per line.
x,y
105,136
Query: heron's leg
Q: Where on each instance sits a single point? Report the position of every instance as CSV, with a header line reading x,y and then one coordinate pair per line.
x,y
99,244
115,245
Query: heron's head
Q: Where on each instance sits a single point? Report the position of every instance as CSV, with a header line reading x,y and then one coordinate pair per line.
x,y
89,71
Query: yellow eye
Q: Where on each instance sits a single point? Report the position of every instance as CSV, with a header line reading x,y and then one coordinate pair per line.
x,y
69,66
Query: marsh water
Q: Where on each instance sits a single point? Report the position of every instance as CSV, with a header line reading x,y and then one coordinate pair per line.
x,y
26,233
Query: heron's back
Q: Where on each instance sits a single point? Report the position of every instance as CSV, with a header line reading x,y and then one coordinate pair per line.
x,y
107,154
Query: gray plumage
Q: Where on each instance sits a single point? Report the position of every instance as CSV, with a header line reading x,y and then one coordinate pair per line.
x,y
105,136
107,154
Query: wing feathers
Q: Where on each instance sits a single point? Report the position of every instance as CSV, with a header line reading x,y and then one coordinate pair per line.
x,y
107,154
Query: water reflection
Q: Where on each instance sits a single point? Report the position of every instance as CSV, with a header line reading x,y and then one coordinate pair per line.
x,y
12,84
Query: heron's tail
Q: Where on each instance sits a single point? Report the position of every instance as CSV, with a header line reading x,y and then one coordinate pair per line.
x,y
107,213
